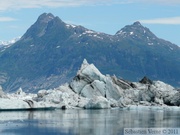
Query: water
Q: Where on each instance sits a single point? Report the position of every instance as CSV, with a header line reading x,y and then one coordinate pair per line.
x,y
84,122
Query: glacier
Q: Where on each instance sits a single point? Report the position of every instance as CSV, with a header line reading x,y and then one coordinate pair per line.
x,y
90,89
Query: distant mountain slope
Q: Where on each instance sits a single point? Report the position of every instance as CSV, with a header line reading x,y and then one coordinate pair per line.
x,y
51,51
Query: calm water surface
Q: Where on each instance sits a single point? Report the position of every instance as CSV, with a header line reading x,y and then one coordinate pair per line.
x,y
84,122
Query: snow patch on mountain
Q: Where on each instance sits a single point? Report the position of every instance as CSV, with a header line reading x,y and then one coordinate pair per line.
x,y
71,25
10,42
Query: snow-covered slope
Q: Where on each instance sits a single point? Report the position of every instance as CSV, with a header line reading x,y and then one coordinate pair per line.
x,y
92,90
6,44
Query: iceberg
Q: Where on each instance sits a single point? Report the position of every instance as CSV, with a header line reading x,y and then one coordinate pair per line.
x,y
90,89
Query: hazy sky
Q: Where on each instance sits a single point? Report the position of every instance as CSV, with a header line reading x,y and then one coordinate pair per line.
x,y
162,17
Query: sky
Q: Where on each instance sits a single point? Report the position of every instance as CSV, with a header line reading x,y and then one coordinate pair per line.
x,y
162,17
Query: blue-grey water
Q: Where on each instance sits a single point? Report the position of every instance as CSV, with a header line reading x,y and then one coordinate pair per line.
x,y
84,122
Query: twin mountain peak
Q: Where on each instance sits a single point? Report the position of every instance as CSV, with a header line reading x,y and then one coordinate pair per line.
x,y
48,21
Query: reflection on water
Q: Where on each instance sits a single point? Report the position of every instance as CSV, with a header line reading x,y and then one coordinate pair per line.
x,y
84,122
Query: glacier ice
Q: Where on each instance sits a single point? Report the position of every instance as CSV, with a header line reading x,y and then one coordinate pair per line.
x,y
90,89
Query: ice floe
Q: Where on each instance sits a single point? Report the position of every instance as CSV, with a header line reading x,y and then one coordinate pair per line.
x,y
90,89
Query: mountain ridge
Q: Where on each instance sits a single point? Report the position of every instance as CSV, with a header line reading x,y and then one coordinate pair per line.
x,y
50,52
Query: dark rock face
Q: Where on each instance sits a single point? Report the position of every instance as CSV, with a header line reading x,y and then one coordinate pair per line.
x,y
122,83
63,107
146,80
176,99
51,51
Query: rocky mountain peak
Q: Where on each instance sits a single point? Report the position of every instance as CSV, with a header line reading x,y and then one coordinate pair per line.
x,y
46,17
135,29
45,23
137,23
137,32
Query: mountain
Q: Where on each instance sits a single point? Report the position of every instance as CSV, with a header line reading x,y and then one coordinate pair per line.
x,y
51,51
